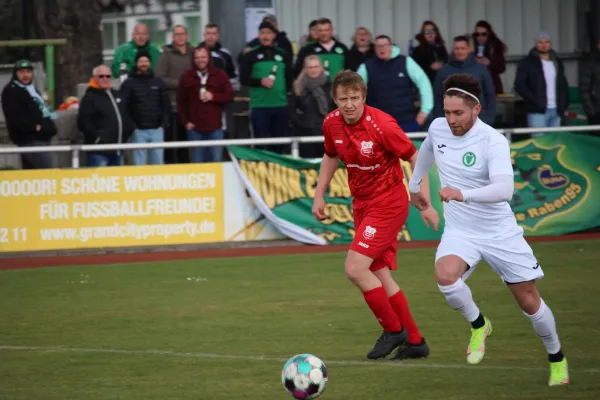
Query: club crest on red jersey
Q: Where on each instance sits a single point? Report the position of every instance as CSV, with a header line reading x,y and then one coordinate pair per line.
x,y
366,148
369,232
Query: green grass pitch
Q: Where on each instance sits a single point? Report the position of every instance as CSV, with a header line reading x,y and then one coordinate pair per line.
x,y
222,329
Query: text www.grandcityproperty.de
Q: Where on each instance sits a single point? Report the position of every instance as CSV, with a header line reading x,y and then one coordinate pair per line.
x,y
129,230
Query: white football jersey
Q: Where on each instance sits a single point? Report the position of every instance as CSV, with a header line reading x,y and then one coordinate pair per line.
x,y
467,162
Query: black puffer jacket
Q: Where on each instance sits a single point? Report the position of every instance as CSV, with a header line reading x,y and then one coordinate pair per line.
x,y
101,117
23,114
531,84
146,100
589,83
354,57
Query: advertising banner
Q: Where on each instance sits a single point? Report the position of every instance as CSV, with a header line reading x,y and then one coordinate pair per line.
x,y
557,191
111,207
283,189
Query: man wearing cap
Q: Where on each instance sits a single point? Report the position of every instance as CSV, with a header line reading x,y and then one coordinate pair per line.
x,y
28,118
542,84
267,71
281,39
147,103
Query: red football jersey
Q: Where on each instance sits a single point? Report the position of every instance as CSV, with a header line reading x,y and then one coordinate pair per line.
x,y
370,149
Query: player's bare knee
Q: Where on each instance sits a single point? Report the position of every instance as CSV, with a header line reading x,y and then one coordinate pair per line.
x,y
449,269
357,266
527,296
353,271
389,284
446,276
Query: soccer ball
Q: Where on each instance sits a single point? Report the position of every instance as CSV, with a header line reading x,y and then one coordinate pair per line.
x,y
304,376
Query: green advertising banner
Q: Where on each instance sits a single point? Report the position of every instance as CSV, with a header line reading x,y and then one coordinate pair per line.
x,y
557,191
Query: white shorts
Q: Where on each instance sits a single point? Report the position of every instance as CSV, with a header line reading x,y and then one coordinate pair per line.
x,y
511,258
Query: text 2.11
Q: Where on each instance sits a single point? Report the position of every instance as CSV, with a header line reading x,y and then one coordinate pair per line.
x,y
18,235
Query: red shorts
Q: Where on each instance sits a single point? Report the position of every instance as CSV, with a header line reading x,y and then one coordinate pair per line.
x,y
376,234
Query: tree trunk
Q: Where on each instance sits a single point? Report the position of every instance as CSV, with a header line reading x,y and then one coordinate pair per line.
x,y
77,21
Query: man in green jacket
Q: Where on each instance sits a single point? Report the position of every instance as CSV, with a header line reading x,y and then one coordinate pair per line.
x,y
267,71
125,54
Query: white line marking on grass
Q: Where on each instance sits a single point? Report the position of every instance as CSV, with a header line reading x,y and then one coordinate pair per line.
x,y
261,358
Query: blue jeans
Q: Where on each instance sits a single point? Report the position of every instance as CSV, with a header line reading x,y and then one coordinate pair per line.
x,y
155,156
104,160
538,120
206,154
271,123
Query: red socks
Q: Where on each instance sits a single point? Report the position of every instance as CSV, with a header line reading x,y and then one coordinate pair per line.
x,y
400,306
380,305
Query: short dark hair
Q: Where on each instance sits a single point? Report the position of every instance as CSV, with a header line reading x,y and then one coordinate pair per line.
x,y
324,21
462,38
389,39
350,80
313,23
211,25
465,82
179,26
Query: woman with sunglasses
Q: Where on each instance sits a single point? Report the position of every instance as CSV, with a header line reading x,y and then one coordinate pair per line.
x,y
489,50
431,53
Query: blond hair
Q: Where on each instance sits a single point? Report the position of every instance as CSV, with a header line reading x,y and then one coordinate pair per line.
x,y
348,79
298,82
361,28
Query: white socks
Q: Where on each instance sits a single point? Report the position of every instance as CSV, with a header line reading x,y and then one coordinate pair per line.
x,y
459,297
545,326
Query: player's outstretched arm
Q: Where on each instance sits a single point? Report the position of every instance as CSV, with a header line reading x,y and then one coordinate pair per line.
x,y
328,167
421,162
418,184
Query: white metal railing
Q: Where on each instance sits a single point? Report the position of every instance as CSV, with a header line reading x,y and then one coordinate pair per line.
x,y
294,141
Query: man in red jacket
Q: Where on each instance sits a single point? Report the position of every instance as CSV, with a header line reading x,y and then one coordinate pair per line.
x,y
202,93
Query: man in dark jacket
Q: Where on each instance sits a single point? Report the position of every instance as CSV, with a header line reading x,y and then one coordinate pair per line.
x,y
542,84
221,56
101,119
28,118
267,71
390,77
331,52
589,85
462,61
361,51
146,101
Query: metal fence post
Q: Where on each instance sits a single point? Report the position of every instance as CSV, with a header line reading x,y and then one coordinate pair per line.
x,y
75,157
295,148
50,74
508,135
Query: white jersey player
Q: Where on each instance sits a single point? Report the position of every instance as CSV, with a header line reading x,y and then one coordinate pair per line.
x,y
474,165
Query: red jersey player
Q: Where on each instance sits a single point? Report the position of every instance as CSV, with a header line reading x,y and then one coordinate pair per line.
x,y
370,143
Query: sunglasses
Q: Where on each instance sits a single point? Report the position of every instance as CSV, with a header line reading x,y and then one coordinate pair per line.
x,y
480,33
428,31
104,76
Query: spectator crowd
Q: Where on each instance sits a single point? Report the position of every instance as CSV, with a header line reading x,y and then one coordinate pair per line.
x,y
180,92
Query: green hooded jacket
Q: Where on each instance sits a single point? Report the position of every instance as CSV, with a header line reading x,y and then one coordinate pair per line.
x,y
126,54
